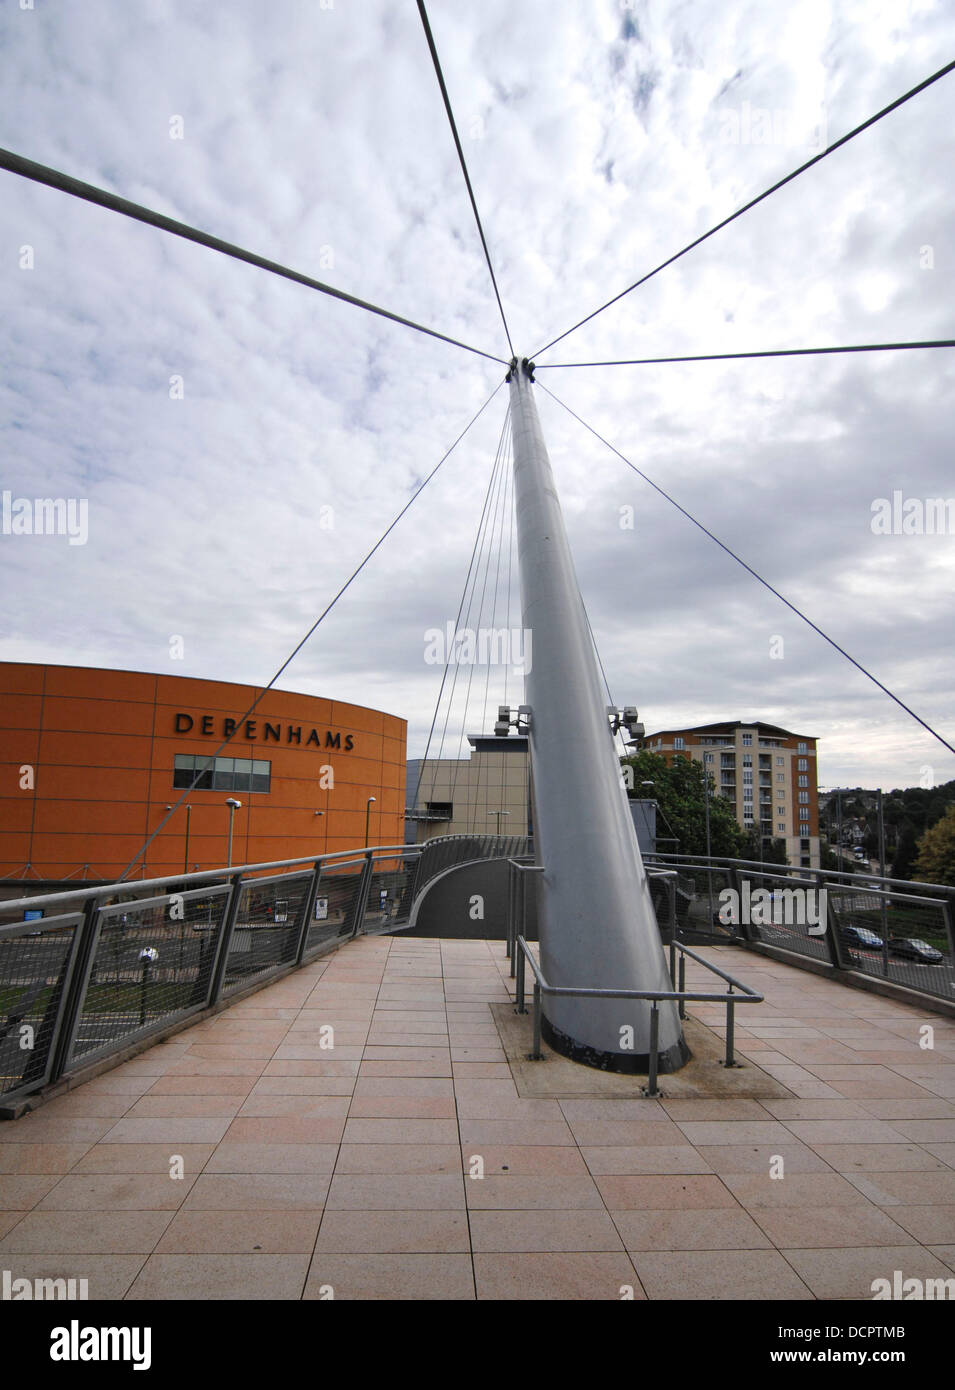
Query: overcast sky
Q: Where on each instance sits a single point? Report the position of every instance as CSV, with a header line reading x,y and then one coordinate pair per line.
x,y
601,137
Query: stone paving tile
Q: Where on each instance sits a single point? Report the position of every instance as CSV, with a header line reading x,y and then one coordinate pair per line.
x,y
232,1157
159,1107
656,1192
396,1159
476,1133
715,1132
926,1223
206,1277
721,1228
40,1128
849,1273
815,1132
396,1192
40,1158
502,1231
754,1190
909,1189
285,1129
748,1275
525,1160
241,1232
582,1275
22,1191
117,1192
946,1253
818,1227
85,1233
257,1191
523,1193
107,1276
878,1158
408,1276
383,1232
632,1160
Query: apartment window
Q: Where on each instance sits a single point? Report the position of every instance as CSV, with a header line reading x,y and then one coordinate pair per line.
x,y
804,813
748,776
805,862
780,825
780,762
803,796
803,782
801,748
780,776
222,774
747,816
804,844
707,757
747,740
678,743
747,793
803,764
747,760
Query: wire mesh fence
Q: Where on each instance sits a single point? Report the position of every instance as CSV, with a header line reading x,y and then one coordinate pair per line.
x,y
35,965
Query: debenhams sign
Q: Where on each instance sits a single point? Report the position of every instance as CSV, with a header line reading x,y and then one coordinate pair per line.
x,y
253,730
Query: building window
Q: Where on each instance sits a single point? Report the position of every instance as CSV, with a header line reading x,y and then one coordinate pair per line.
x,y
780,762
747,760
804,844
780,776
440,810
748,776
678,743
780,825
803,796
747,793
707,757
805,862
804,813
801,748
803,764
222,774
747,740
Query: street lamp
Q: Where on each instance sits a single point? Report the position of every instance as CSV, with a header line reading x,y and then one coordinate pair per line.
x,y
233,806
367,816
499,814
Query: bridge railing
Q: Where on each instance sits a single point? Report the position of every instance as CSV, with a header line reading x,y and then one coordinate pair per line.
x,y
883,928
108,966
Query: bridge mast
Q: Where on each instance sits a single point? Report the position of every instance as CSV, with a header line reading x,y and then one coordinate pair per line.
x,y
595,916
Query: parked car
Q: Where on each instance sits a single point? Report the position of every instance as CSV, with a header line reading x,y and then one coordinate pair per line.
x,y
860,937
913,948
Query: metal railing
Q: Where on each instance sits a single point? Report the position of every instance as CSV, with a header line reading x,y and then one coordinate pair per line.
x,y
882,928
116,963
681,995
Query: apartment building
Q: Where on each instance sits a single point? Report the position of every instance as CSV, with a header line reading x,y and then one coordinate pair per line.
x,y
767,773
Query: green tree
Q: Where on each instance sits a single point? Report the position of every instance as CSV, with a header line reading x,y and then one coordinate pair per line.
x,y
757,847
679,791
936,852
906,852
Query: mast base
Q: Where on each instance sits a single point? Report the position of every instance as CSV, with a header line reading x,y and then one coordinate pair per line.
x,y
629,1063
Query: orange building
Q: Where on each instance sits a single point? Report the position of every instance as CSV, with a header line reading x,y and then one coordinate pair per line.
x,y
90,761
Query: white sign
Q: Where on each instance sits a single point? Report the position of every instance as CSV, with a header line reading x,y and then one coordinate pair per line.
x,y
321,909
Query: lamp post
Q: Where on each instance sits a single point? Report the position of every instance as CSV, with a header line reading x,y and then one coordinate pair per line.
x,y
499,814
367,817
185,857
321,813
233,806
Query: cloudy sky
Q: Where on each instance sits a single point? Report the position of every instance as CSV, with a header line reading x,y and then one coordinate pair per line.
x,y
601,137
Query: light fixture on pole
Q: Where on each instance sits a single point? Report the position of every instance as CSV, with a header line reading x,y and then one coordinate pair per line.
x,y
499,814
233,806
367,817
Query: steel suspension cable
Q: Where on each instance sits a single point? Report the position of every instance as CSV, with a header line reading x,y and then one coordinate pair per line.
x,y
64,183
756,575
317,623
781,183
777,352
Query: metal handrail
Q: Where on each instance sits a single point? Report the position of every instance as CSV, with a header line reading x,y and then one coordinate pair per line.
x,y
655,996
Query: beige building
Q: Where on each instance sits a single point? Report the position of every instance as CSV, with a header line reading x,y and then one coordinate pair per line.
x,y
767,773
484,794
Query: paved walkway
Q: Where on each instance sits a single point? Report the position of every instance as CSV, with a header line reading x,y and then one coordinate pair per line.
x,y
309,1169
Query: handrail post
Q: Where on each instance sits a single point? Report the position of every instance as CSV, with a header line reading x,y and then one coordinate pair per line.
x,y
521,964
673,963
682,984
311,893
654,1048
536,1054
364,888
76,990
730,1025
225,941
